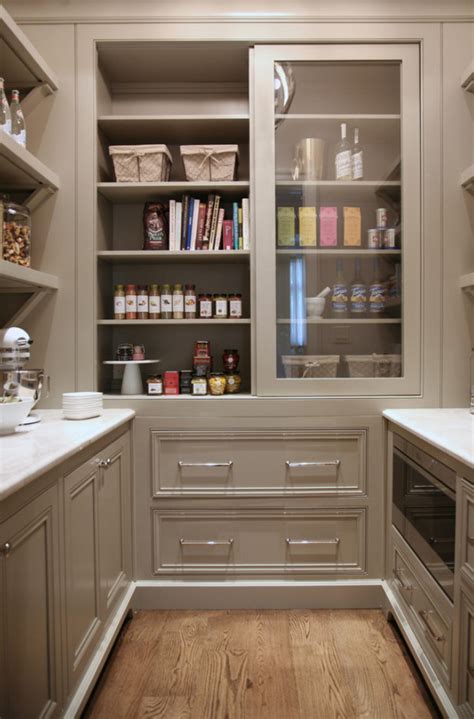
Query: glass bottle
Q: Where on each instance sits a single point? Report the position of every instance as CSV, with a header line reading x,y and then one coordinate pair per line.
x,y
142,302
119,302
340,292
377,291
166,303
343,159
205,306
131,302
154,302
220,306
235,305
358,293
357,159
190,302
5,115
17,119
178,302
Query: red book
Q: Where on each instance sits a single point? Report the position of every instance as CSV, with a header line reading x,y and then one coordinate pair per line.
x,y
227,232
201,222
207,224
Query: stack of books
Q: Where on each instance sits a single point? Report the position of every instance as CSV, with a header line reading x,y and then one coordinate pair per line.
x,y
197,225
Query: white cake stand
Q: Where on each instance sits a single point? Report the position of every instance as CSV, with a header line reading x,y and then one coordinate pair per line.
x,y
132,378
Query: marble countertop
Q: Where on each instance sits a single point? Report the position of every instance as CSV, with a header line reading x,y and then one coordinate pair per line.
x,y
32,450
450,430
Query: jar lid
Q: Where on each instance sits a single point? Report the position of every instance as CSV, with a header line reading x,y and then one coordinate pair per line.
x,y
164,287
233,351
178,286
154,287
216,374
119,287
143,288
130,287
189,287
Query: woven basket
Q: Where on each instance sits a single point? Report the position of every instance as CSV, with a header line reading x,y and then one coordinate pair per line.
x,y
388,365
302,366
374,365
209,162
141,163
360,365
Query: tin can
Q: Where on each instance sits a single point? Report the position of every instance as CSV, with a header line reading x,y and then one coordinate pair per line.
x,y
389,238
381,217
374,239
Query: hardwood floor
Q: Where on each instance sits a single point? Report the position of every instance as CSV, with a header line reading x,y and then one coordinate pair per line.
x,y
260,664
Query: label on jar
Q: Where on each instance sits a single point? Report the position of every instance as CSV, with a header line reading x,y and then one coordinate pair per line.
x,y
357,165
178,303
166,303
389,238
119,305
142,303
235,308
374,240
155,387
131,303
358,298
205,308
200,387
221,308
154,303
377,297
190,304
381,217
340,298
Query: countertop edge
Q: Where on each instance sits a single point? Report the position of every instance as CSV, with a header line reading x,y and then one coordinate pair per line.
x,y
61,456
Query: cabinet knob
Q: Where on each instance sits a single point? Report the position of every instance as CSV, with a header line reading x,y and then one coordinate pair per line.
x,y
104,463
5,549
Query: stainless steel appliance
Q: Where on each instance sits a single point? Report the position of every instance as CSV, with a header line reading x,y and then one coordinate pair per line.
x,y
15,380
424,509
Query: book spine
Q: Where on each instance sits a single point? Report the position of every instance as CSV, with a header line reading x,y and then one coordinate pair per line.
x,y
172,224
207,226
220,221
227,231
196,208
241,240
184,221
189,229
215,215
201,223
235,228
179,210
245,224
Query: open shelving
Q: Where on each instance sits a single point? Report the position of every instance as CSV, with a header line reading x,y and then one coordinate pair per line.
x,y
210,321
171,256
171,129
125,192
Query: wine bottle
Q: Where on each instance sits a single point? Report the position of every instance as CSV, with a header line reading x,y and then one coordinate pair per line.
x,y
377,292
340,293
343,156
358,293
357,158
5,115
17,119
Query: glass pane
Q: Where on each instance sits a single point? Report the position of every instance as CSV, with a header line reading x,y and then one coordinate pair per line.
x,y
338,220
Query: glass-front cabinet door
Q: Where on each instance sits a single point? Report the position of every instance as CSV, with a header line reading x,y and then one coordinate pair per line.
x,y
337,219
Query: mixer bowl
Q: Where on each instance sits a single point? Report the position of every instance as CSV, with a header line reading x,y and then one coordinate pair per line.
x,y
23,383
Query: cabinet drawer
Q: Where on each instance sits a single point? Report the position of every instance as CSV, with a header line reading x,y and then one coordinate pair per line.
x,y
467,529
259,463
466,698
245,542
431,623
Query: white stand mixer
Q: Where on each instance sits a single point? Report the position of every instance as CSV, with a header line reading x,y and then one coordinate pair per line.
x,y
15,380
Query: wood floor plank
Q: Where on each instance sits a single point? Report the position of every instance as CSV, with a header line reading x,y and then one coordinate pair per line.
x,y
260,664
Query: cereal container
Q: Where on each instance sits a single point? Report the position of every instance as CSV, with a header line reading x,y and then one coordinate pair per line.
x,y
16,236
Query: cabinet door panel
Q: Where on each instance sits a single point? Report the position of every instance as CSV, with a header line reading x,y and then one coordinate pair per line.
x,y
29,611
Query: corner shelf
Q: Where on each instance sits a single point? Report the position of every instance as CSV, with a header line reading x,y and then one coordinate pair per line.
x,y
128,192
21,170
467,283
15,279
135,257
467,179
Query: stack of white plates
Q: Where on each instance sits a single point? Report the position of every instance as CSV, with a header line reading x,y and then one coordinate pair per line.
x,y
82,405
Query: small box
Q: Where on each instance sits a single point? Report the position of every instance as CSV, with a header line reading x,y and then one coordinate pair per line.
x,y
202,348
202,365
328,226
352,227
286,227
171,382
307,226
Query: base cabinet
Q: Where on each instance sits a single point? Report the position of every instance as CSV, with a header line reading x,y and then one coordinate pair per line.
x,y
30,661
466,649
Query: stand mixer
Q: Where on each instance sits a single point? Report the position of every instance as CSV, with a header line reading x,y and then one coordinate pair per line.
x,y
15,381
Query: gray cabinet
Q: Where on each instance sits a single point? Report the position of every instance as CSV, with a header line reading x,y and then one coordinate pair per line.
x,y
30,661
97,551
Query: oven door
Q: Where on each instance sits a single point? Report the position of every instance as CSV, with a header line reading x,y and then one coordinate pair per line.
x,y
424,512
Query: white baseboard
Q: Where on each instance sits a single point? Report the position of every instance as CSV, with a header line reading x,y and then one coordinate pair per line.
x,y
245,594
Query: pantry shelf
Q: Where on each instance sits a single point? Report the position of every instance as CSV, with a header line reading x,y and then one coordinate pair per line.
x,y
133,323
304,251
181,397
20,170
125,257
171,129
23,279
338,183
128,192
342,321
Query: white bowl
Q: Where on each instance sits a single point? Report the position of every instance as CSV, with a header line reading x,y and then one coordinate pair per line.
x,y
315,306
14,413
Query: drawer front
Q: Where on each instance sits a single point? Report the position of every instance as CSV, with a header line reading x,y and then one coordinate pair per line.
x,y
467,653
466,499
432,625
245,542
259,463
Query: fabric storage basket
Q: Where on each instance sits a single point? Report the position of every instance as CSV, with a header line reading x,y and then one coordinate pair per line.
x,y
360,365
301,366
387,365
209,162
141,163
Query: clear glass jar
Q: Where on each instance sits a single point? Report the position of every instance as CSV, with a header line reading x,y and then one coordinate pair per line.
x,y
220,306
154,304
205,306
217,383
131,302
178,302
119,302
233,382
142,302
190,302
166,303
235,306
16,234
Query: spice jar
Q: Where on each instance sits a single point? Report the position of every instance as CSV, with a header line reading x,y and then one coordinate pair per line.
x,y
154,304
199,385
235,306
16,234
233,382
230,359
131,302
138,353
220,306
142,302
190,302
155,384
205,306
119,302
185,377
166,303
178,302
217,383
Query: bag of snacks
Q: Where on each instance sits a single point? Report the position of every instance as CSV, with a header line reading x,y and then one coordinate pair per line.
x,y
155,226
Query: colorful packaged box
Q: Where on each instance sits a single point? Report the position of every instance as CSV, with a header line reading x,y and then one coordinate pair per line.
x,y
171,382
328,226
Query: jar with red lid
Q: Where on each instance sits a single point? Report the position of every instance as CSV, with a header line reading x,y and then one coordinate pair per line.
x,y
131,302
231,360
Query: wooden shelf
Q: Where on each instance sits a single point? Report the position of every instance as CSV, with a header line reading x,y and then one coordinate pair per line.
x,y
135,257
348,321
467,78
336,253
376,129
128,192
24,279
134,323
467,179
173,129
184,397
467,283
20,170
339,183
